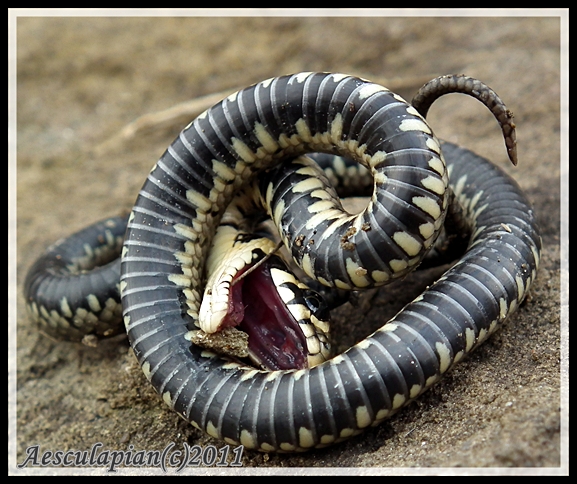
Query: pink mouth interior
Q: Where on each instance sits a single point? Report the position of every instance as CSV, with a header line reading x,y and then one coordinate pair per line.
x,y
274,337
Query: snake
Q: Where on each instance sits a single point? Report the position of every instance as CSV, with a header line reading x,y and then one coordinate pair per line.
x,y
421,188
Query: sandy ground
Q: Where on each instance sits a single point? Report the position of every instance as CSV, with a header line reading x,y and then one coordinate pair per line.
x,y
81,80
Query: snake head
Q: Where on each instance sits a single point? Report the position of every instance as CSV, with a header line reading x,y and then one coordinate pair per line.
x,y
283,318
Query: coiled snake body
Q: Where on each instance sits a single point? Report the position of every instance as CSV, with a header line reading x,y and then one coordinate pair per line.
x,y
172,225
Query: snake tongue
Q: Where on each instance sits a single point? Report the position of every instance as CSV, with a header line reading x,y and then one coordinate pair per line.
x,y
275,340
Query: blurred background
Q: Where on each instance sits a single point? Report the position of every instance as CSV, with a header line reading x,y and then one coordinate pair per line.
x,y
82,80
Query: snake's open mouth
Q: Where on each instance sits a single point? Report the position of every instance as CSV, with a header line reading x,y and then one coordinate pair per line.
x,y
275,339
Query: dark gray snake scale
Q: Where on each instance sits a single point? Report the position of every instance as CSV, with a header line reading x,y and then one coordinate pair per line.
x,y
173,221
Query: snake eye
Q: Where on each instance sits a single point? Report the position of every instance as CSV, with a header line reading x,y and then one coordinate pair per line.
x,y
316,304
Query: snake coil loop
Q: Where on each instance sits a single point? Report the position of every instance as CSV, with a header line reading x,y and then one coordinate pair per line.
x,y
174,220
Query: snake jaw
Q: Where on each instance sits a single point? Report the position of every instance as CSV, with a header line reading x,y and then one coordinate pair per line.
x,y
255,306
275,339
246,291
216,312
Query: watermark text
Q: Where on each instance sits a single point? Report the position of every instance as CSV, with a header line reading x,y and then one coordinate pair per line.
x,y
112,460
